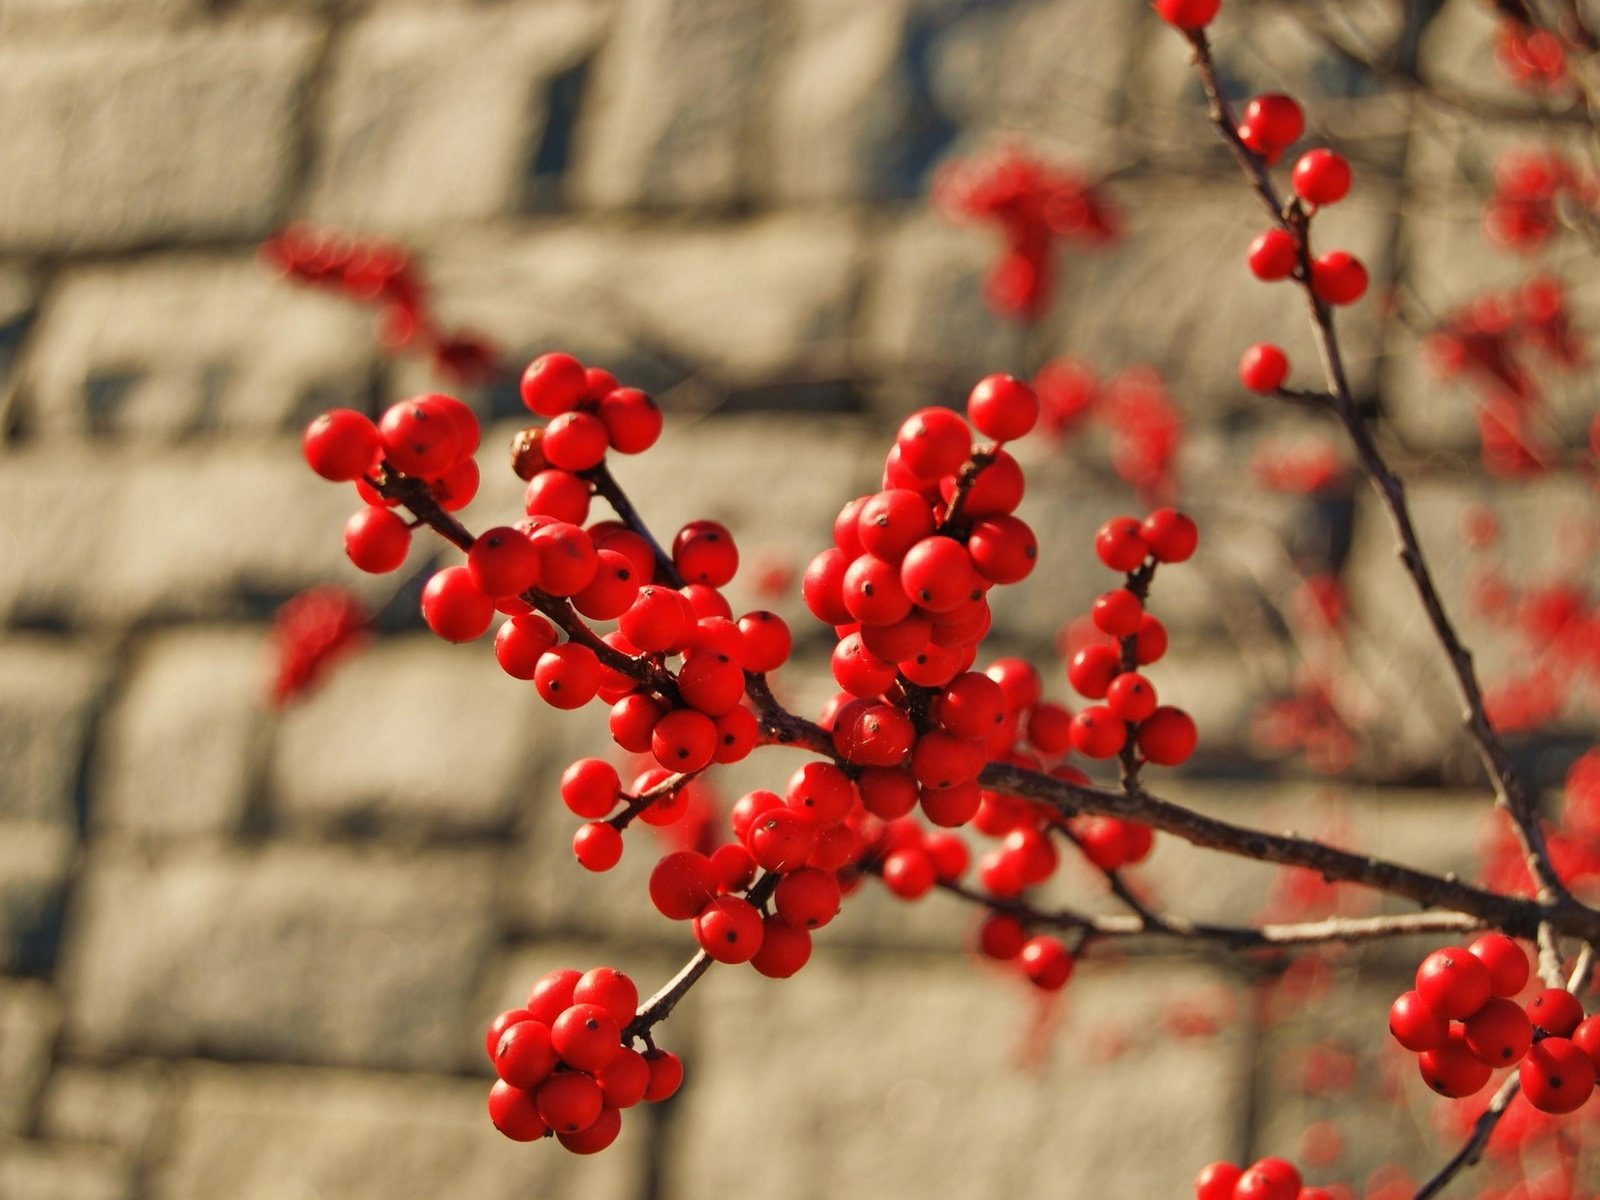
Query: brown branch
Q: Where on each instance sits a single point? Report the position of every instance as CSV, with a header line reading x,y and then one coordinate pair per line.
x,y
1509,789
606,485
1472,1151
955,515
667,788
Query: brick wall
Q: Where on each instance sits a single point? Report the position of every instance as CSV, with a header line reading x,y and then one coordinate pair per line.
x,y
249,955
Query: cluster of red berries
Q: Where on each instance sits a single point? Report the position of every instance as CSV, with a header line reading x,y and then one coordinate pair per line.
x,y
1129,714
1574,843
1463,1023
377,273
565,1066
1036,206
311,631
1488,343
1532,58
1268,1179
1145,424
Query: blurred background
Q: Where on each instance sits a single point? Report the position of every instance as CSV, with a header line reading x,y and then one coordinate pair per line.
x,y
248,950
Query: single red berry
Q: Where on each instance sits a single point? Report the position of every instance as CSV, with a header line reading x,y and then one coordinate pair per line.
x,y
1556,1010
514,1113
597,846
419,439
1131,697
377,539
909,873
525,1056
569,1101
551,994
684,740
1321,177
1269,1179
1001,937
658,621
568,561
1453,983
1273,255
1586,1037
937,573
575,441
784,949
1452,1070
1003,408
807,898
1003,549
1150,643
611,990
934,442
1117,613
632,419
1188,14
1557,1077
972,706
891,522
1507,963
600,1133
729,929
455,489
468,431
704,552
1275,122
1216,1181
1263,368
1171,535
1049,728
1338,277
666,1075
823,792
781,839
454,607
503,562
682,884
951,807
499,1025
342,445
767,641
590,787
1093,668
553,384
873,594
625,1079
1120,544
1416,1026
567,676
1096,732
586,1036
558,494
613,589
1168,736
887,793
1046,963
1499,1033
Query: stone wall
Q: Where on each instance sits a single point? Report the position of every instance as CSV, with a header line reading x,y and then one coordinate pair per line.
x,y
249,954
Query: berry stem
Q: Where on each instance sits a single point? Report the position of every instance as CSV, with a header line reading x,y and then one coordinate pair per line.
x,y
606,485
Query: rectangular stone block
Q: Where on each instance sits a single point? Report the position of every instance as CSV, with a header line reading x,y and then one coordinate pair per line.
x,y
127,1106
186,735
62,1171
184,345
254,1133
29,1016
436,113
95,163
48,691
292,952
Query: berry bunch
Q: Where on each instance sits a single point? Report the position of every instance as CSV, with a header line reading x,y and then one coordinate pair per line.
x,y
565,1064
380,274
311,632
1463,1023
1529,187
1036,206
1145,424
1267,1179
1532,58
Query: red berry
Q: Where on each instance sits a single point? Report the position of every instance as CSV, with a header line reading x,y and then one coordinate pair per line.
x,y
767,641
590,787
859,671
419,438
575,441
823,792
1093,668
597,846
454,607
568,675
682,884
342,445
1557,1076
1338,277
1120,544
1002,407
503,562
625,1079
1046,963
1273,255
937,573
1003,549
1117,613
1216,1181
909,873
1150,643
1096,732
586,1036
972,706
934,442
1321,177
1001,937
1556,1010
1453,983
513,1112
499,1025
1507,963
568,561
873,594
602,1131
1131,697
1050,728
1263,368
1171,535
666,1075
1499,1033
729,929
1587,1038
784,949
632,419
684,740
807,898
377,539
525,1056
951,807
558,494
1416,1026
551,994
781,839
1188,14
1269,1179
553,384
1168,737
613,589
704,552
569,1102
1275,121
611,990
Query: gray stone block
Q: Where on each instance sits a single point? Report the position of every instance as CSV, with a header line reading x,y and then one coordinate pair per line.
x,y
29,1015
295,953
95,163
48,691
